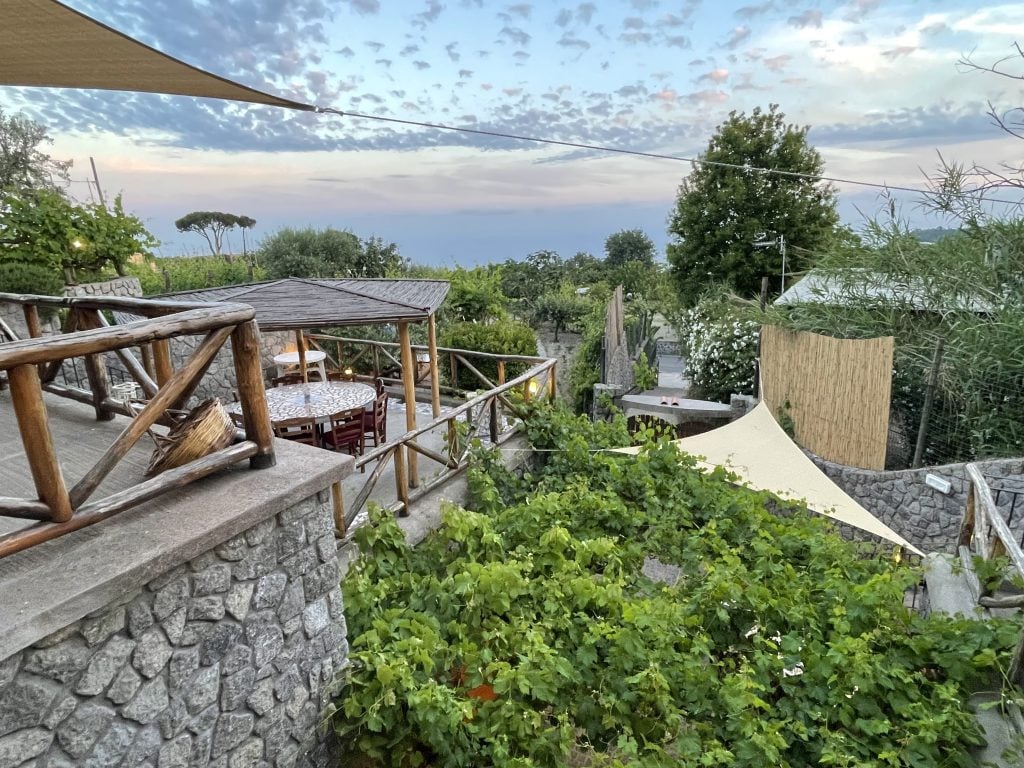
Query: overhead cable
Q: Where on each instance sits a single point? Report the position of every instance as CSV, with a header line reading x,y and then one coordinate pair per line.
x,y
637,153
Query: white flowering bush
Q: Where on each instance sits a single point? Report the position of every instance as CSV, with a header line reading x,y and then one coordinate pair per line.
x,y
720,348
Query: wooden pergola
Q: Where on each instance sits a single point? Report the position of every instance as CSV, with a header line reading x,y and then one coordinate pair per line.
x,y
297,304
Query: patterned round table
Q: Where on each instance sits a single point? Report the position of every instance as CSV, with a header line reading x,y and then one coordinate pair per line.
x,y
316,400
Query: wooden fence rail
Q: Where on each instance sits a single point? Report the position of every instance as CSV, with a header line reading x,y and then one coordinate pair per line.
x,y
494,408
984,533
32,364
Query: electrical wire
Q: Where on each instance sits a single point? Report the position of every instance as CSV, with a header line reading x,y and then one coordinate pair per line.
x,y
638,153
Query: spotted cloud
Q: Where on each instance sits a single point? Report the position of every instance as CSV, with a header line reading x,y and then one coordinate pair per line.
x,y
809,18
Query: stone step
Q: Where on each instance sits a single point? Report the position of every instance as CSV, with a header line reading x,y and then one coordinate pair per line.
x,y
949,590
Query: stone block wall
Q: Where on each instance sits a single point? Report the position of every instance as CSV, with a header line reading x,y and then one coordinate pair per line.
x,y
226,661
901,499
119,286
220,381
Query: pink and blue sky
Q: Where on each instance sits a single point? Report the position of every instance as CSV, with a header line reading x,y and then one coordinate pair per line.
x,y
878,81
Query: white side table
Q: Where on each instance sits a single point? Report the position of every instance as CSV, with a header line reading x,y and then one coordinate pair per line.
x,y
314,359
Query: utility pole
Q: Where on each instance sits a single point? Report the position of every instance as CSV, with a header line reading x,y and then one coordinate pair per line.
x,y
780,241
96,178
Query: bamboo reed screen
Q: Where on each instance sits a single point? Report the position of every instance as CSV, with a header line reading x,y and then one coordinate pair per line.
x,y
838,392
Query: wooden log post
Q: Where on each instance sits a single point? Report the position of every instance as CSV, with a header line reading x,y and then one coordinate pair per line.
x,y
35,327
401,483
147,360
27,399
245,347
494,420
338,509
409,382
162,360
501,372
96,370
435,374
552,382
300,345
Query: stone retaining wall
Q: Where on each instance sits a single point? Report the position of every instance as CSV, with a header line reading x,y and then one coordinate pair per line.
x,y
901,499
224,661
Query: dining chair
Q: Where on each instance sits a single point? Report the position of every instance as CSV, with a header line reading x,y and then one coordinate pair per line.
x,y
346,433
375,420
285,379
379,386
301,430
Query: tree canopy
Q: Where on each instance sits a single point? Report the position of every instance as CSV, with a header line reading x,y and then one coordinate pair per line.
x,y
23,164
42,228
727,204
626,246
329,252
212,226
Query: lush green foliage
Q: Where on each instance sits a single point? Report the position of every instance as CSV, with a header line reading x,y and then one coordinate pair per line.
x,y
324,253
522,633
721,211
43,228
627,246
967,290
19,277
562,308
502,337
23,164
212,226
720,346
189,273
475,295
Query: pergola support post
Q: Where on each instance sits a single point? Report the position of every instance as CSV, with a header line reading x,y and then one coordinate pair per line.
x,y
409,383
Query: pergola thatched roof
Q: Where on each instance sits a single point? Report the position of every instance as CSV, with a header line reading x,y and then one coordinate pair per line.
x,y
296,303
47,44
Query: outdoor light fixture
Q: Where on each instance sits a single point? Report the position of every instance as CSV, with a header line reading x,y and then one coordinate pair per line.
x,y
940,484
76,243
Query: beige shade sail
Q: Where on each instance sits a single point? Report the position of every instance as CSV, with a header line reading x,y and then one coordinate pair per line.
x,y
46,44
756,448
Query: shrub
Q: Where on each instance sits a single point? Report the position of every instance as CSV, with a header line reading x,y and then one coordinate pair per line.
x,y
720,346
20,277
502,337
523,633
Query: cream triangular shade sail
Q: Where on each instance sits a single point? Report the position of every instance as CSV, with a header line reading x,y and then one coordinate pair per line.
x,y
44,43
756,448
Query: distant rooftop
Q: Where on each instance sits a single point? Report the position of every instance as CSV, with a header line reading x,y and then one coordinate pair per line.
x,y
858,286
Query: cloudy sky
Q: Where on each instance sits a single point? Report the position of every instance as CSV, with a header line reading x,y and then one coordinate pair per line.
x,y
878,81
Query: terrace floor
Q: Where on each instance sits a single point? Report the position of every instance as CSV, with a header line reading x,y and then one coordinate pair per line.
x,y
80,440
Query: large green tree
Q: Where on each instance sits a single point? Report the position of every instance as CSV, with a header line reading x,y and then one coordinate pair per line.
x,y
327,252
627,246
727,204
23,163
212,226
42,229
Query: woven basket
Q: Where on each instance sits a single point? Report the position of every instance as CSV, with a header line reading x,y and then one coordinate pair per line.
x,y
206,429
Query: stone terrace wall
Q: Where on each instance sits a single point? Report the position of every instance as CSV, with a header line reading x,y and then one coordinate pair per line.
x,y
219,380
926,518
225,661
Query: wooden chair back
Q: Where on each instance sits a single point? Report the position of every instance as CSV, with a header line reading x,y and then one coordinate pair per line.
x,y
346,432
285,379
375,421
300,430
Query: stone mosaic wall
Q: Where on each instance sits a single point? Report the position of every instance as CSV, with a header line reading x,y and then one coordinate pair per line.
x,y
226,662
902,500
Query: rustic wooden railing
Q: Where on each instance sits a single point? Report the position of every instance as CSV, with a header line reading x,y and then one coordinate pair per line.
x,y
493,413
32,365
379,358
984,533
